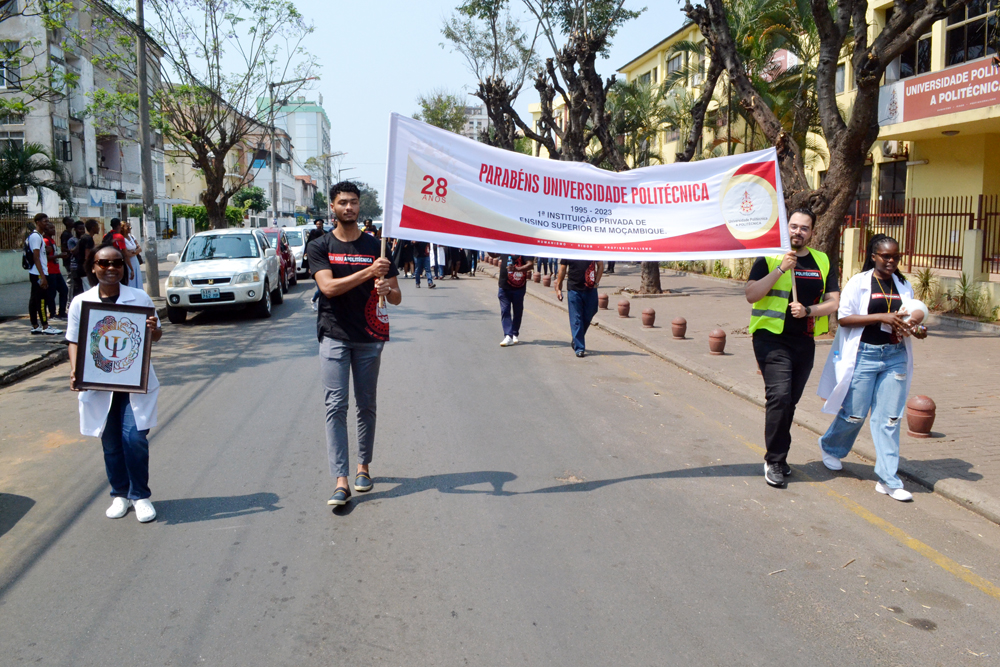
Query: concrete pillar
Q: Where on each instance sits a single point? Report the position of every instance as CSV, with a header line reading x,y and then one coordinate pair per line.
x,y
972,256
852,241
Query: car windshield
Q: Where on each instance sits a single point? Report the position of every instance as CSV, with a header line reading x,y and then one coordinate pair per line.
x,y
221,246
272,238
294,238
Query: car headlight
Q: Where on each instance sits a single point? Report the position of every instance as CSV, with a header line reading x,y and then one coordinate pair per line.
x,y
246,277
178,281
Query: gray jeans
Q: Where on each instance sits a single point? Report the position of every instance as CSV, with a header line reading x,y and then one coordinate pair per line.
x,y
338,359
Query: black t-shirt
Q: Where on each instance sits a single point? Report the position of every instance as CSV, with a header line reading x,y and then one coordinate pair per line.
x,y
809,283
581,274
83,245
354,315
313,235
513,279
64,244
421,249
885,299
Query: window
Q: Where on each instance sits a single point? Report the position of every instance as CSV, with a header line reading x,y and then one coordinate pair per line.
x,y
841,81
917,59
654,75
11,139
968,27
675,64
644,78
10,69
892,186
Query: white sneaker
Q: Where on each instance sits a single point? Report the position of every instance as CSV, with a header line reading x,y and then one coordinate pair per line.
x,y
119,508
514,340
36,330
902,495
315,305
144,510
507,340
831,461
51,331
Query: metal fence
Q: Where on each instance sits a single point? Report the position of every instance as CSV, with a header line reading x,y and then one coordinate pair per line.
x,y
13,230
930,231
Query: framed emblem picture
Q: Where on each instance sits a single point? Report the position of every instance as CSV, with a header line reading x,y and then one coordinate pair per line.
x,y
113,347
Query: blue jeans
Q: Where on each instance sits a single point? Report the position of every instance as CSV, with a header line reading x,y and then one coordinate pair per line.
x,y
422,264
582,308
879,384
126,451
338,360
511,300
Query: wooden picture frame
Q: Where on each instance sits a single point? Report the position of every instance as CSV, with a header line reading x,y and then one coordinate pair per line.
x,y
113,347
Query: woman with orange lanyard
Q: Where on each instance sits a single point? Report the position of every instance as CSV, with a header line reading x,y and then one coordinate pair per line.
x,y
870,364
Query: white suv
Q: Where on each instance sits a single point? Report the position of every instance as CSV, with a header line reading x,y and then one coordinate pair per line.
x,y
223,268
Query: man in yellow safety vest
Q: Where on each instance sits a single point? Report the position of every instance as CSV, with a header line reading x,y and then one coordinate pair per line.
x,y
784,331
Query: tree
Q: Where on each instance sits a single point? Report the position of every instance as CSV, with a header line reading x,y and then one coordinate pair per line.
x,y
840,25
251,199
30,167
370,208
215,100
320,207
442,109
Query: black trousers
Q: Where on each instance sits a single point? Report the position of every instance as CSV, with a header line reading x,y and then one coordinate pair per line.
x,y
785,362
37,303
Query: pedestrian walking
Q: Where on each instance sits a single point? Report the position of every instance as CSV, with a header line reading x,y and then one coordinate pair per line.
x,y
422,262
75,280
870,365
352,328
133,253
36,262
584,277
121,420
784,330
406,258
57,283
513,283
84,248
316,232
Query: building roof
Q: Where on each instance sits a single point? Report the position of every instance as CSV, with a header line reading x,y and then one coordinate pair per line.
x,y
656,47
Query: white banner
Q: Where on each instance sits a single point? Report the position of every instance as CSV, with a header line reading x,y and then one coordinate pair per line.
x,y
444,188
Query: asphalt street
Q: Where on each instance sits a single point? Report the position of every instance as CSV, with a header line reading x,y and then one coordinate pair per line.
x,y
530,508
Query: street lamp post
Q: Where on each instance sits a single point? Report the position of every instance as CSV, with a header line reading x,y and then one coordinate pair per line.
x,y
274,172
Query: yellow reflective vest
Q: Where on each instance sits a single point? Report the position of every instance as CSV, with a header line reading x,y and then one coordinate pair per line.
x,y
769,312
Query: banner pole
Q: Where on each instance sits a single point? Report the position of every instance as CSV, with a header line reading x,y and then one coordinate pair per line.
x,y
381,299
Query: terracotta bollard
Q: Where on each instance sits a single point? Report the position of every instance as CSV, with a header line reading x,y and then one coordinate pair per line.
x,y
679,327
547,280
920,413
623,308
717,342
536,277
648,317
602,301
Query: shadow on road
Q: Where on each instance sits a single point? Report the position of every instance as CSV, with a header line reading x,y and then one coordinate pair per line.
x,y
734,470
446,483
12,509
190,510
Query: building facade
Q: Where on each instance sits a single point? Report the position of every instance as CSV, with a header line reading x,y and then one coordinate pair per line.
x,y
477,121
308,128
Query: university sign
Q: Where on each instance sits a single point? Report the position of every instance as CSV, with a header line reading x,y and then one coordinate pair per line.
x,y
970,86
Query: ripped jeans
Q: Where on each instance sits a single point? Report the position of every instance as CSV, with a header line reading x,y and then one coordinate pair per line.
x,y
879,385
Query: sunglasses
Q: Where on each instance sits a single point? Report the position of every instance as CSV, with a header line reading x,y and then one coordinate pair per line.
x,y
109,263
886,257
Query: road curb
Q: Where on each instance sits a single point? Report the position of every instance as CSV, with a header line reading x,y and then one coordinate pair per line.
x,y
46,361
955,490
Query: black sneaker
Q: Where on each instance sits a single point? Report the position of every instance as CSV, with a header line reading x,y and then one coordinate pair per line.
x,y
786,470
581,354
773,475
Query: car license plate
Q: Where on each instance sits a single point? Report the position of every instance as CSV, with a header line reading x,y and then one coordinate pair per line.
x,y
210,293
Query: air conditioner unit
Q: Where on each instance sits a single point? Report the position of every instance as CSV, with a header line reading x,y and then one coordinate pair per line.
x,y
891,148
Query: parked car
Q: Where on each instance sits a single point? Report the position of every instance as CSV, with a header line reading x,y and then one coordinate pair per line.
x,y
278,238
297,240
224,268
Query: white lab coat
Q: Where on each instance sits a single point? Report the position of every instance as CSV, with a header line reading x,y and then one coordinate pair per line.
x,y
95,405
837,376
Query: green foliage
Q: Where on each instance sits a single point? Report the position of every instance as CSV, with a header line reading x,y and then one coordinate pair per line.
x,y
720,270
969,298
636,111
251,199
320,204
234,216
742,271
442,109
923,285
30,167
370,208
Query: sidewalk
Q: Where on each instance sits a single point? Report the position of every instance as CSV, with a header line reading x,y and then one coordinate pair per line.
x,y
22,354
955,367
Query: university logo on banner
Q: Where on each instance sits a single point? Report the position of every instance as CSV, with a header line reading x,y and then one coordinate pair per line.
x,y
447,189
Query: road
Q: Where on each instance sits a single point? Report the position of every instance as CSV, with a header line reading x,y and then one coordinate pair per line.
x,y
530,508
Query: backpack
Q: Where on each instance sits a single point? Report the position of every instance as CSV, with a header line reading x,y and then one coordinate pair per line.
x,y
28,259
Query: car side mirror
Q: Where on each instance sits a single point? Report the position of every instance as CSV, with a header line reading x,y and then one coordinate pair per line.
x,y
269,252
174,257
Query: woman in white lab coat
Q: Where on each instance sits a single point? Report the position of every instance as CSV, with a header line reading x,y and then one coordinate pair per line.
x,y
871,364
121,420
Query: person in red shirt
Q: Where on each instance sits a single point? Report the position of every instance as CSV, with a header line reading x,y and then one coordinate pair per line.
x,y
116,238
57,283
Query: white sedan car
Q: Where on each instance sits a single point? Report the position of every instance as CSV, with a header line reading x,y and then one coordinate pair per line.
x,y
297,241
223,268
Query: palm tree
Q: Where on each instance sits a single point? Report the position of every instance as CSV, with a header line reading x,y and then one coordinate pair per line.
x,y
636,112
30,167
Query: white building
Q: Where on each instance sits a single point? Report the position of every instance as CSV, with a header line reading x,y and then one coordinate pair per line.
x,y
309,128
476,121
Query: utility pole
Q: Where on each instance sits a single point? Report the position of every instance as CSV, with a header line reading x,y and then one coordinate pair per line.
x,y
274,166
146,157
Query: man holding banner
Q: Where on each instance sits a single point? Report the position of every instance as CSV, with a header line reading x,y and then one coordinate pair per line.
x,y
584,277
792,296
513,286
